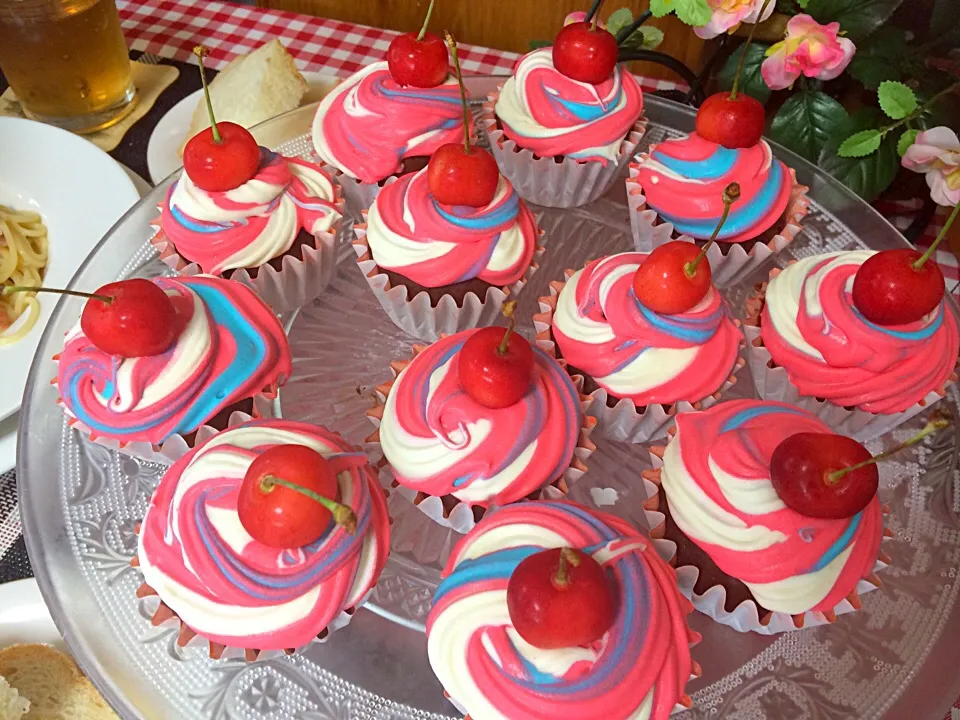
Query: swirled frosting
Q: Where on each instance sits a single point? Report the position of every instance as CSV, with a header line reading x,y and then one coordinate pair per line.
x,y
545,111
813,330
716,474
602,329
435,245
250,225
638,670
231,347
369,124
441,442
683,180
231,589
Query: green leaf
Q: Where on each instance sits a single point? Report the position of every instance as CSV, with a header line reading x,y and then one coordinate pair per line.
x,y
803,4
867,176
896,99
751,81
659,8
537,44
806,121
860,144
694,12
645,37
619,20
857,18
882,58
906,140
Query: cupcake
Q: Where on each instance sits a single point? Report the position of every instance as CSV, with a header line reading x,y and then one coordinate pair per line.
x,y
234,591
743,556
439,268
562,142
371,129
639,366
454,457
808,344
229,357
276,233
638,668
675,190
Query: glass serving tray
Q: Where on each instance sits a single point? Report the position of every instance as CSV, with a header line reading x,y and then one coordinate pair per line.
x,y
897,657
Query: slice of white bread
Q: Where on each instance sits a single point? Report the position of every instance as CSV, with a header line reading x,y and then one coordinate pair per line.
x,y
54,685
251,89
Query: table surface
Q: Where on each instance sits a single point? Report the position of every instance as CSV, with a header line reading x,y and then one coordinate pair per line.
x,y
171,29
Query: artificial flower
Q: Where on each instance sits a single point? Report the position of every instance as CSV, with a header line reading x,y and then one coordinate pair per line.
x,y
809,49
936,152
578,17
726,16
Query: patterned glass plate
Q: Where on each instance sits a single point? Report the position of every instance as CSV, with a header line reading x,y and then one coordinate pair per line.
x,y
81,504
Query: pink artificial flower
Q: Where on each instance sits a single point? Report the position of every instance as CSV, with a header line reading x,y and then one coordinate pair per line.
x,y
580,16
810,49
728,14
936,152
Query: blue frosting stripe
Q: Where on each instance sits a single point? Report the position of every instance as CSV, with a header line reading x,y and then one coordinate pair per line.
x,y
416,97
501,214
840,544
719,164
923,333
745,416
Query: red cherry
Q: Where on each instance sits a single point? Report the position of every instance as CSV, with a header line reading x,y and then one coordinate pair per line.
x,y
801,468
560,598
130,318
732,122
889,290
663,282
585,53
458,176
491,374
271,503
418,59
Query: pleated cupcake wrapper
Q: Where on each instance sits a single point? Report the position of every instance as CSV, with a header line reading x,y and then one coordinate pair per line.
x,y
746,616
417,316
729,262
623,422
294,285
359,196
544,181
461,517
773,383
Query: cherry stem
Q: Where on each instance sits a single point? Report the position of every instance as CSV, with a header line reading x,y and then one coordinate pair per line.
x,y
108,299
943,233
201,52
935,423
731,194
509,308
426,22
342,515
743,56
594,9
463,91
567,557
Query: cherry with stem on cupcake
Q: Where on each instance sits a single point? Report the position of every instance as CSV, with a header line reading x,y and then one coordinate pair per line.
x,y
225,155
822,475
420,59
676,276
463,175
903,286
128,318
585,52
734,119
560,598
289,496
495,365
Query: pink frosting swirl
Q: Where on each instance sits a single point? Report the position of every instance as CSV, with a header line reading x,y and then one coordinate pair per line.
x,y
435,245
716,474
250,225
553,115
602,329
369,124
812,329
233,590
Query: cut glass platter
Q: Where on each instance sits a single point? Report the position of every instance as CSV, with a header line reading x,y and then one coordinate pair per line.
x,y
896,658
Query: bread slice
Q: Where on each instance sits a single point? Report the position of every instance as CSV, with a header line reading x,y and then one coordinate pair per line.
x,y
251,89
54,685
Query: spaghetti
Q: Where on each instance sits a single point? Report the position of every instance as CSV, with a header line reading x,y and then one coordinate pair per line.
x,y
23,261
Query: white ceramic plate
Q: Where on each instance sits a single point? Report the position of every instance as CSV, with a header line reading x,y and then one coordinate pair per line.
x,y
24,617
80,191
163,157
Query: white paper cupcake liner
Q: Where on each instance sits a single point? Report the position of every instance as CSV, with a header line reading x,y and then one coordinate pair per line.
x,y
729,262
623,422
293,286
745,617
544,181
417,316
461,517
